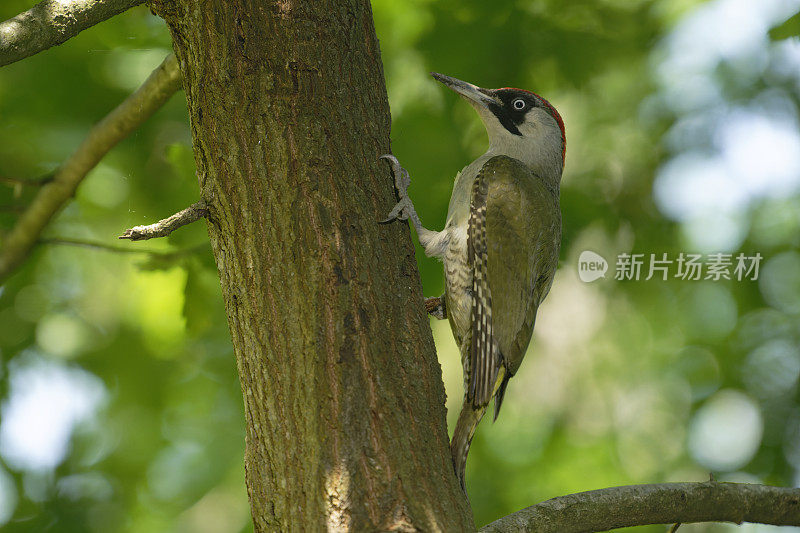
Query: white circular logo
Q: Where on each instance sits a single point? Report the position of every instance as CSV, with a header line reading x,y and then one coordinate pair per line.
x,y
591,266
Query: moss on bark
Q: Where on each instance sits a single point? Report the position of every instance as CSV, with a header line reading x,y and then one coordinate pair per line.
x,y
343,393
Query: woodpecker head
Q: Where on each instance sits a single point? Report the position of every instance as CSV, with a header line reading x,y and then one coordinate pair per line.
x,y
520,124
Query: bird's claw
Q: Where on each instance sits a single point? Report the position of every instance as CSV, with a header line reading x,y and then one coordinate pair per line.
x,y
403,209
401,178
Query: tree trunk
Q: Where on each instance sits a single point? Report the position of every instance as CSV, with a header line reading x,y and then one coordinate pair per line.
x,y
342,390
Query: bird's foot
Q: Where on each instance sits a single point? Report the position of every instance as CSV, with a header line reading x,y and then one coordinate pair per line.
x,y
404,208
436,307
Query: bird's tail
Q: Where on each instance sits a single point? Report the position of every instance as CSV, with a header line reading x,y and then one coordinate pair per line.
x,y
462,437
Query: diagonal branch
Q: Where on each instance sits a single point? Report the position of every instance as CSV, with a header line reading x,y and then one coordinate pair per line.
x,y
164,227
52,22
638,505
128,116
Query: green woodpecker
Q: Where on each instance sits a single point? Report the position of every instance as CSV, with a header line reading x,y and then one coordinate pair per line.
x,y
499,246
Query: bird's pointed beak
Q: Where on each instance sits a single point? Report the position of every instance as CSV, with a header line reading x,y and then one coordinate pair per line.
x,y
473,93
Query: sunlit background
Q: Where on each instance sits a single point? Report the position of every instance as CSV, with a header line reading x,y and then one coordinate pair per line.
x,y
121,408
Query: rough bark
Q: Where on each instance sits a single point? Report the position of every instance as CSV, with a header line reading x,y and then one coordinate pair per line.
x,y
343,393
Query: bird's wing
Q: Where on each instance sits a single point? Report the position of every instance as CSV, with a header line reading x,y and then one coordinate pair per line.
x,y
513,240
483,357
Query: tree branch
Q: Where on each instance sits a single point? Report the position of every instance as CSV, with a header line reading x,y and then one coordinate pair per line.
x,y
18,184
52,22
111,248
156,258
131,113
638,505
15,182
166,226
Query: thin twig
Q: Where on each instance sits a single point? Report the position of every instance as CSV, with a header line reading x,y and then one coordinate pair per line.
x,y
166,226
97,245
666,503
117,125
52,22
120,249
36,182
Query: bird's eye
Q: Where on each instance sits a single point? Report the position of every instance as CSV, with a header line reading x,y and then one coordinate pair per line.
x,y
518,104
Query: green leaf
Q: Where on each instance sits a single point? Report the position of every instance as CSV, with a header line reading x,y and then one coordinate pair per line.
x,y
789,28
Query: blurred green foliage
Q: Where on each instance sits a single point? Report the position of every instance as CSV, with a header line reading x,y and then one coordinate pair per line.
x,y
121,406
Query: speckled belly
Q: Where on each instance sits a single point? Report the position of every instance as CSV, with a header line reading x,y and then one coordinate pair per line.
x,y
458,283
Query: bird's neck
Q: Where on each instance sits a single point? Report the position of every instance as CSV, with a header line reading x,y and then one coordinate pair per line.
x,y
543,162
539,147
